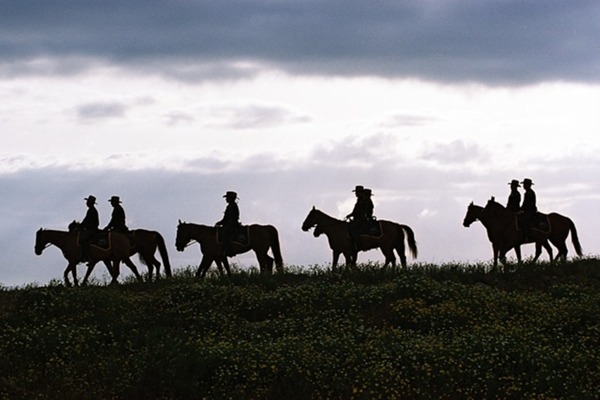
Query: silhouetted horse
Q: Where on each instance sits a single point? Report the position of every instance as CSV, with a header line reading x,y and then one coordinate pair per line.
x,y
117,251
145,243
495,234
340,241
261,238
509,234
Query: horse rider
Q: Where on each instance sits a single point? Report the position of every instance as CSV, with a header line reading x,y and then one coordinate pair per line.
x,y
369,207
89,227
358,217
230,221
514,198
529,207
117,218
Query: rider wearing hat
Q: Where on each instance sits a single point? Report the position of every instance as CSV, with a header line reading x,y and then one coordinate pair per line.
x,y
529,207
230,221
358,216
369,207
514,199
117,219
89,226
358,212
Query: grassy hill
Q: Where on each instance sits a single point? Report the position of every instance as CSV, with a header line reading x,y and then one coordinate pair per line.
x,y
450,331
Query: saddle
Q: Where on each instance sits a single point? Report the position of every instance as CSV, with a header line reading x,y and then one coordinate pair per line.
x,y
100,239
539,222
240,235
371,228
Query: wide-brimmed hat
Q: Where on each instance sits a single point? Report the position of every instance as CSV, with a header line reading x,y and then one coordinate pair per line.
x,y
527,181
359,188
368,192
91,198
514,182
230,195
115,199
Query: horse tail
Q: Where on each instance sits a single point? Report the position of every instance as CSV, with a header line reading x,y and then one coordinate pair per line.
x,y
275,247
162,249
410,238
575,238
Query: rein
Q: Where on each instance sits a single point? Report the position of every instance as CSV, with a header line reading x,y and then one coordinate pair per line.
x,y
191,242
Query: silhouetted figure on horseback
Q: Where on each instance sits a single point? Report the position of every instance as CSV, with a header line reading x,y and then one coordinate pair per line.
x,y
514,198
117,219
528,208
361,214
230,222
89,227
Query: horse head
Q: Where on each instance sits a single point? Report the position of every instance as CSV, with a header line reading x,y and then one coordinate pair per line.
x,y
318,231
74,226
183,236
473,214
40,242
310,220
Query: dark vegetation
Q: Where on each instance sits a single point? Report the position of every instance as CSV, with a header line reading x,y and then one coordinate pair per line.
x,y
450,331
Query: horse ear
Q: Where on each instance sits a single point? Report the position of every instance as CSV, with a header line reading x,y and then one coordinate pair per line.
x,y
314,208
471,204
179,222
493,198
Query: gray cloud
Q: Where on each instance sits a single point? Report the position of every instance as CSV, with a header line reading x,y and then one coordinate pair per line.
x,y
100,110
500,42
253,116
176,118
455,152
407,120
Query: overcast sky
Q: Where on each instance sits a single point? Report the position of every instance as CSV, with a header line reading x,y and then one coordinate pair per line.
x,y
432,104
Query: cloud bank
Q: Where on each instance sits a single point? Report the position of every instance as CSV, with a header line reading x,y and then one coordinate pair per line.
x,y
505,42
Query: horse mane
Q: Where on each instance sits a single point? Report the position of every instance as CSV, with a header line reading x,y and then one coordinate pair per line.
x,y
493,202
327,215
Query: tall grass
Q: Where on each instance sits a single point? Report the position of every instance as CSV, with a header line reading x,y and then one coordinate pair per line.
x,y
432,331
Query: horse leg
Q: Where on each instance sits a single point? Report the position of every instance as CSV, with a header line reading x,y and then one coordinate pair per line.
x,y
518,253
401,250
115,271
548,250
156,264
90,268
204,265
70,267
66,275
133,269
219,261
502,258
390,258
226,265
150,262
350,258
495,257
265,263
562,250
336,257
538,251
74,273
